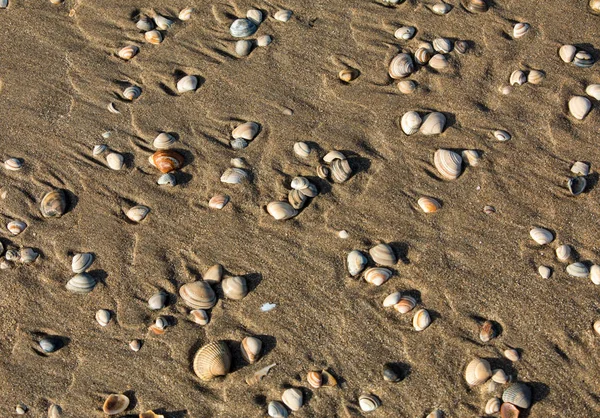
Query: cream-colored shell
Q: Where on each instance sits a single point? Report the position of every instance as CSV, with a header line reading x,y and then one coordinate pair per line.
x,y
115,161
448,163
579,107
281,210
292,398
593,90
138,213
421,320
433,123
187,83
410,122
567,53
478,371
541,235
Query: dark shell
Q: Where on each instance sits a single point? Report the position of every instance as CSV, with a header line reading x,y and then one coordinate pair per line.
x,y
577,185
54,204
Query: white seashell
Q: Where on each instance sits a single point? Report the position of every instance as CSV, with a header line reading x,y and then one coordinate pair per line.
x,y
103,317
595,274
392,299
264,40
518,78
114,160
421,320
153,37
302,149
157,301
343,234
521,30
545,272
255,16
277,410
441,8
442,45
281,210
377,275
340,170
535,76
578,270
238,162
401,66
502,136
99,149
407,86
593,90
13,164
81,283
186,14
238,143
112,109
243,47
16,227
438,62
247,130
369,403
167,179
81,262
410,122
187,83
579,107
563,253
405,32
145,24
138,213
218,201
499,376
3,4
292,398
356,262
429,204
251,348
162,22
266,307
471,157
383,254
132,92
128,52
283,15
234,176
493,406
478,371
299,183
433,123
164,141
135,345
242,28
448,163
512,354
333,155
580,168
541,236
567,52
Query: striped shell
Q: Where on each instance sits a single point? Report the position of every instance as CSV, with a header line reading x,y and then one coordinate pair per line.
x,y
476,6
521,29
299,183
255,16
499,376
281,210
421,320
54,204
442,45
277,410
535,76
583,59
198,295
340,170
16,227
297,199
214,274
518,394
405,304
493,406
578,270
563,253
137,213
13,164
314,379
348,74
383,254
595,274
128,52
448,163
50,344
377,275
433,123
356,262
162,22
438,62
333,155
99,149
167,160
501,135
81,262
292,398
518,78
401,66
302,149
153,37
407,86
593,90
478,371
429,204
283,15
309,191
234,287
423,55
200,316
410,122
212,360
508,410
218,201
115,161
461,46
81,283
369,403
186,14
251,348
103,317
567,53
243,47
247,130
392,299
405,32
541,236
132,92
234,176
187,83
115,404
164,141
242,28
579,107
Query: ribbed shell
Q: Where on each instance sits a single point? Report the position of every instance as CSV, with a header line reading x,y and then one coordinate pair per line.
x,y
429,204
567,53
214,274
583,59
401,66
212,360
186,14
383,254
81,262
518,394
114,160
541,236
340,170
297,199
164,141
356,262
410,122
13,164
242,28
167,160
281,210
187,83
234,287
218,201
476,6
234,175
81,283
301,149
138,213
448,163
438,62
293,398
493,406
521,29
518,78
54,204
251,348
153,37
433,123
405,32
198,295
132,92
369,403
405,304
578,270
421,320
478,371
277,410
128,52
579,107
377,275
167,179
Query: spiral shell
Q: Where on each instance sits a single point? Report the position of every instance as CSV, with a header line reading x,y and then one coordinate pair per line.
x,y
167,160
277,410
214,274
478,371
493,406
405,32
383,254
545,272
255,16
429,204
407,86
423,55
356,262
234,176
218,201
251,348
508,410
433,123
541,236
103,317
13,164
128,52
438,62
163,141
302,149
518,78
405,304
583,59
401,66
578,270
518,394
448,163
476,6
243,47
115,404
186,14
392,299
410,122
369,403
521,29
242,28
198,295
153,37
54,204
567,53
281,210
442,45
81,283
235,287
283,15
187,83
162,22
137,213
579,107
16,227
115,161
593,90
377,275
421,320
340,170
81,262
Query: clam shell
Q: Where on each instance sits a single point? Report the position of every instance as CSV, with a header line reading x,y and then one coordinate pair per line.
x,y
54,411
567,53
392,299
508,410
512,354
277,410
563,253
99,149
135,345
401,66
478,371
383,254
13,164
518,78
299,183
200,316
579,107
251,348
132,92
348,74
81,283
50,345
167,179
340,170
545,272
212,360
442,45
448,163
323,172
153,37
243,47
145,23
433,123
292,398
264,40
302,149
186,14
281,210
493,406
595,274
594,6
541,236
489,210
28,255
583,59
405,304
115,404
421,320
518,394
520,30
167,160
162,22
476,6
356,262
114,160
377,275
54,204
128,52
461,46
535,76
438,62
596,327
238,143
502,136
12,254
593,90
333,155
407,86
410,122
283,15
103,317
429,204
405,32
198,295
187,83
255,16
234,176
499,376
390,375
157,301
164,141
234,287
369,403
423,55
218,201
137,213
16,227
578,270
81,262
441,8
487,331
242,28
297,199
314,379
214,274
471,157
3,4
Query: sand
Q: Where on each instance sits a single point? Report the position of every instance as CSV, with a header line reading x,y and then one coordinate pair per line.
x,y
59,73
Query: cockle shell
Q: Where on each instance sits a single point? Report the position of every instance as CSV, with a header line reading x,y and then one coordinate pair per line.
x,y
242,28
292,398
383,254
502,136
243,47
234,287
164,141
283,15
423,55
251,348
302,149
518,78
438,62
541,236
579,107
115,404
442,45
429,204
234,176
499,376
128,52
214,274
377,275
535,76
471,157
145,24
583,59
187,83
595,274
218,201
369,403
356,262
433,123
167,160
212,360
277,410
401,66
407,86
518,394
281,210
297,199
54,411
512,354
508,410
198,295
405,304
264,40
578,270
593,90
521,29
441,8
255,16
137,213
103,317
28,255
81,283
157,301
13,164
392,299
567,53
16,227
487,331
81,262
405,32
448,163
493,406
200,316
186,14
114,160
563,253
153,37
545,272
476,6
410,122
132,92
478,371
421,320
54,204
162,22
333,155
340,170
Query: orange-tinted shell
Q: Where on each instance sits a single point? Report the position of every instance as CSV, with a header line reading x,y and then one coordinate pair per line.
x,y
115,404
214,359
167,160
508,410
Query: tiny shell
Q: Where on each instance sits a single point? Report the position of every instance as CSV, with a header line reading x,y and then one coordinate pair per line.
x,y
186,14
214,274
315,379
369,403
264,40
596,326
159,325
243,47
502,136
448,163
405,32
476,6
153,36
478,371
135,345
461,46
81,262
333,155
164,141
487,331
499,376
302,149
578,270
583,59
535,76
235,287
28,255
103,317
132,92
115,404
541,236
16,227
340,170
167,179
157,301
198,295
410,122
421,320
277,410
383,254
407,86
283,15
593,90
545,272
138,213
518,78
281,210
521,30
255,16
348,74
81,283
488,210
390,374
218,201
54,204
563,253
200,316
54,411
512,354
251,348
518,394
442,45
579,107
323,171
508,410
405,304
438,62
242,28
595,274
238,143
401,66
471,157
162,22
436,414
150,414
567,53
392,299
493,406
49,344
356,262
238,162
13,164
114,160
212,360
187,83
377,275
292,398
259,375
234,176
433,123
128,52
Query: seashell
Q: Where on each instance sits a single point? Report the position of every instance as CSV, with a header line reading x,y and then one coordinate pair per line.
x,y
448,163
471,157
243,47
502,136
567,53
54,411
596,327
583,59
54,204
299,183
377,275
12,254
260,374
442,45
535,76
81,283
99,149
436,414
390,375
383,254
508,410
28,255
115,404
578,270
518,78
302,149
114,160
214,274
132,92
242,28
153,36
128,52
13,164
157,301
238,143
81,262
410,122
16,227
441,8
315,379
167,160
187,83
309,191
461,46
545,272
264,40
162,22
200,316
563,253
512,354
476,6
255,16
369,403
343,234
499,376
281,210
478,371
595,6
283,15
251,348
401,66
145,24
234,287
103,317
493,406
405,304
50,345
3,4
348,74
135,345
520,30
186,14
541,236
356,262
421,320
593,90
297,199
167,179
137,213
212,360
518,394
392,299
292,398
150,414
423,55
340,170
579,107
405,32
323,172
234,176
198,295
277,410
433,123
487,332
218,201
438,62
333,155
488,210
163,141
407,86
595,274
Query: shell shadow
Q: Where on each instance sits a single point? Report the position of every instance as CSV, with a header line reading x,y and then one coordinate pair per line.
x,y
260,400
252,281
323,186
539,391
132,399
592,181
173,414
504,364
414,293
403,370
358,164
167,89
401,251
99,275
187,156
59,341
72,200
128,159
268,344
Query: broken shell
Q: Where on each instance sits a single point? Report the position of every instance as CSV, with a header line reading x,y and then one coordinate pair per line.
x,y
103,317
493,406
356,262
377,275
508,410
502,136
461,47
401,66
54,204
471,157
563,253
442,45
187,83
277,410
541,236
28,255
499,376
251,348
518,78
167,160
478,371
132,92
423,55
333,155
518,394
218,201
433,123
212,360
135,345
421,320
81,262
340,170
383,254
410,122
115,404
405,32
392,299
198,295
512,354
487,331
214,274
488,210
579,107
448,163
138,213
301,149
81,283
407,86
153,36
281,210
54,411
162,22
167,179
567,53
234,287
259,374
583,59
264,40
283,15
545,272
13,164
297,199
200,316
476,6
255,16
535,76
114,160
128,52
438,62
164,141
315,379
157,301
521,29
595,274
234,176
406,304
243,47
369,403
145,24
150,414
578,270
186,14
242,28
593,90
16,227
348,74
